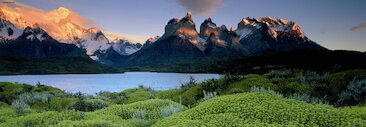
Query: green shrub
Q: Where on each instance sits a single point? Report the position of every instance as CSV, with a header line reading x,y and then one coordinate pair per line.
x,y
170,110
139,114
221,84
86,123
289,88
19,107
10,91
208,95
256,89
307,98
34,97
89,105
192,95
338,82
280,74
261,109
192,82
355,93
138,96
42,119
6,113
60,104
142,113
249,81
116,97
171,94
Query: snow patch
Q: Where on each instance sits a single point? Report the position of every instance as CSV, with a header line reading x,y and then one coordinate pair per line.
x,y
243,33
211,25
40,37
94,58
130,50
7,28
31,37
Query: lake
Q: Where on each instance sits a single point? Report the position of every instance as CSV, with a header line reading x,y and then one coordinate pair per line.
x,y
93,83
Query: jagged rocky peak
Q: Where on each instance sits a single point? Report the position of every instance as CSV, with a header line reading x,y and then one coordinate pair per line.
x,y
35,33
249,23
152,39
173,21
188,18
184,27
208,27
274,24
36,30
274,27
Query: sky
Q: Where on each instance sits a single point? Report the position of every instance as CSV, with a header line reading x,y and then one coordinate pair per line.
x,y
335,24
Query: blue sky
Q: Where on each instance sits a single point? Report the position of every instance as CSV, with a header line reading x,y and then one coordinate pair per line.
x,y
327,22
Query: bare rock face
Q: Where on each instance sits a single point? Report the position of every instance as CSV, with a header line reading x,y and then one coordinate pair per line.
x,y
184,27
272,35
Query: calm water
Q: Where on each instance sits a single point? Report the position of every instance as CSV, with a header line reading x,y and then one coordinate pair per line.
x,y
92,83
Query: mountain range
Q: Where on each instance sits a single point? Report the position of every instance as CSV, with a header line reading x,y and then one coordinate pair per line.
x,y
180,48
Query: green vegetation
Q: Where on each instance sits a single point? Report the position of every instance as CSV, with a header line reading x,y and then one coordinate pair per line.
x,y
278,98
261,109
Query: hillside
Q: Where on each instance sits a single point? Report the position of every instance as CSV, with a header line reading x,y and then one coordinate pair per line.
x,y
52,65
278,98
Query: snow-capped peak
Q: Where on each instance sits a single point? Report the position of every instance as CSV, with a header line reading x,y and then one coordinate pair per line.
x,y
61,13
124,47
273,25
15,18
94,30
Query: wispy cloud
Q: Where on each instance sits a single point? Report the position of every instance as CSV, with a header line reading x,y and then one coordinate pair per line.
x,y
359,28
323,30
201,7
113,35
7,1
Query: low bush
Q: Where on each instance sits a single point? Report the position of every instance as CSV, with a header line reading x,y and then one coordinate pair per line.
x,y
171,94
19,107
280,74
116,97
209,95
339,81
88,105
248,82
60,104
354,94
192,95
34,97
11,91
142,113
192,82
42,119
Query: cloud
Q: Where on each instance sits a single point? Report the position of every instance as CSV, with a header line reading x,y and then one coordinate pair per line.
x,y
323,30
359,27
7,1
201,7
113,35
